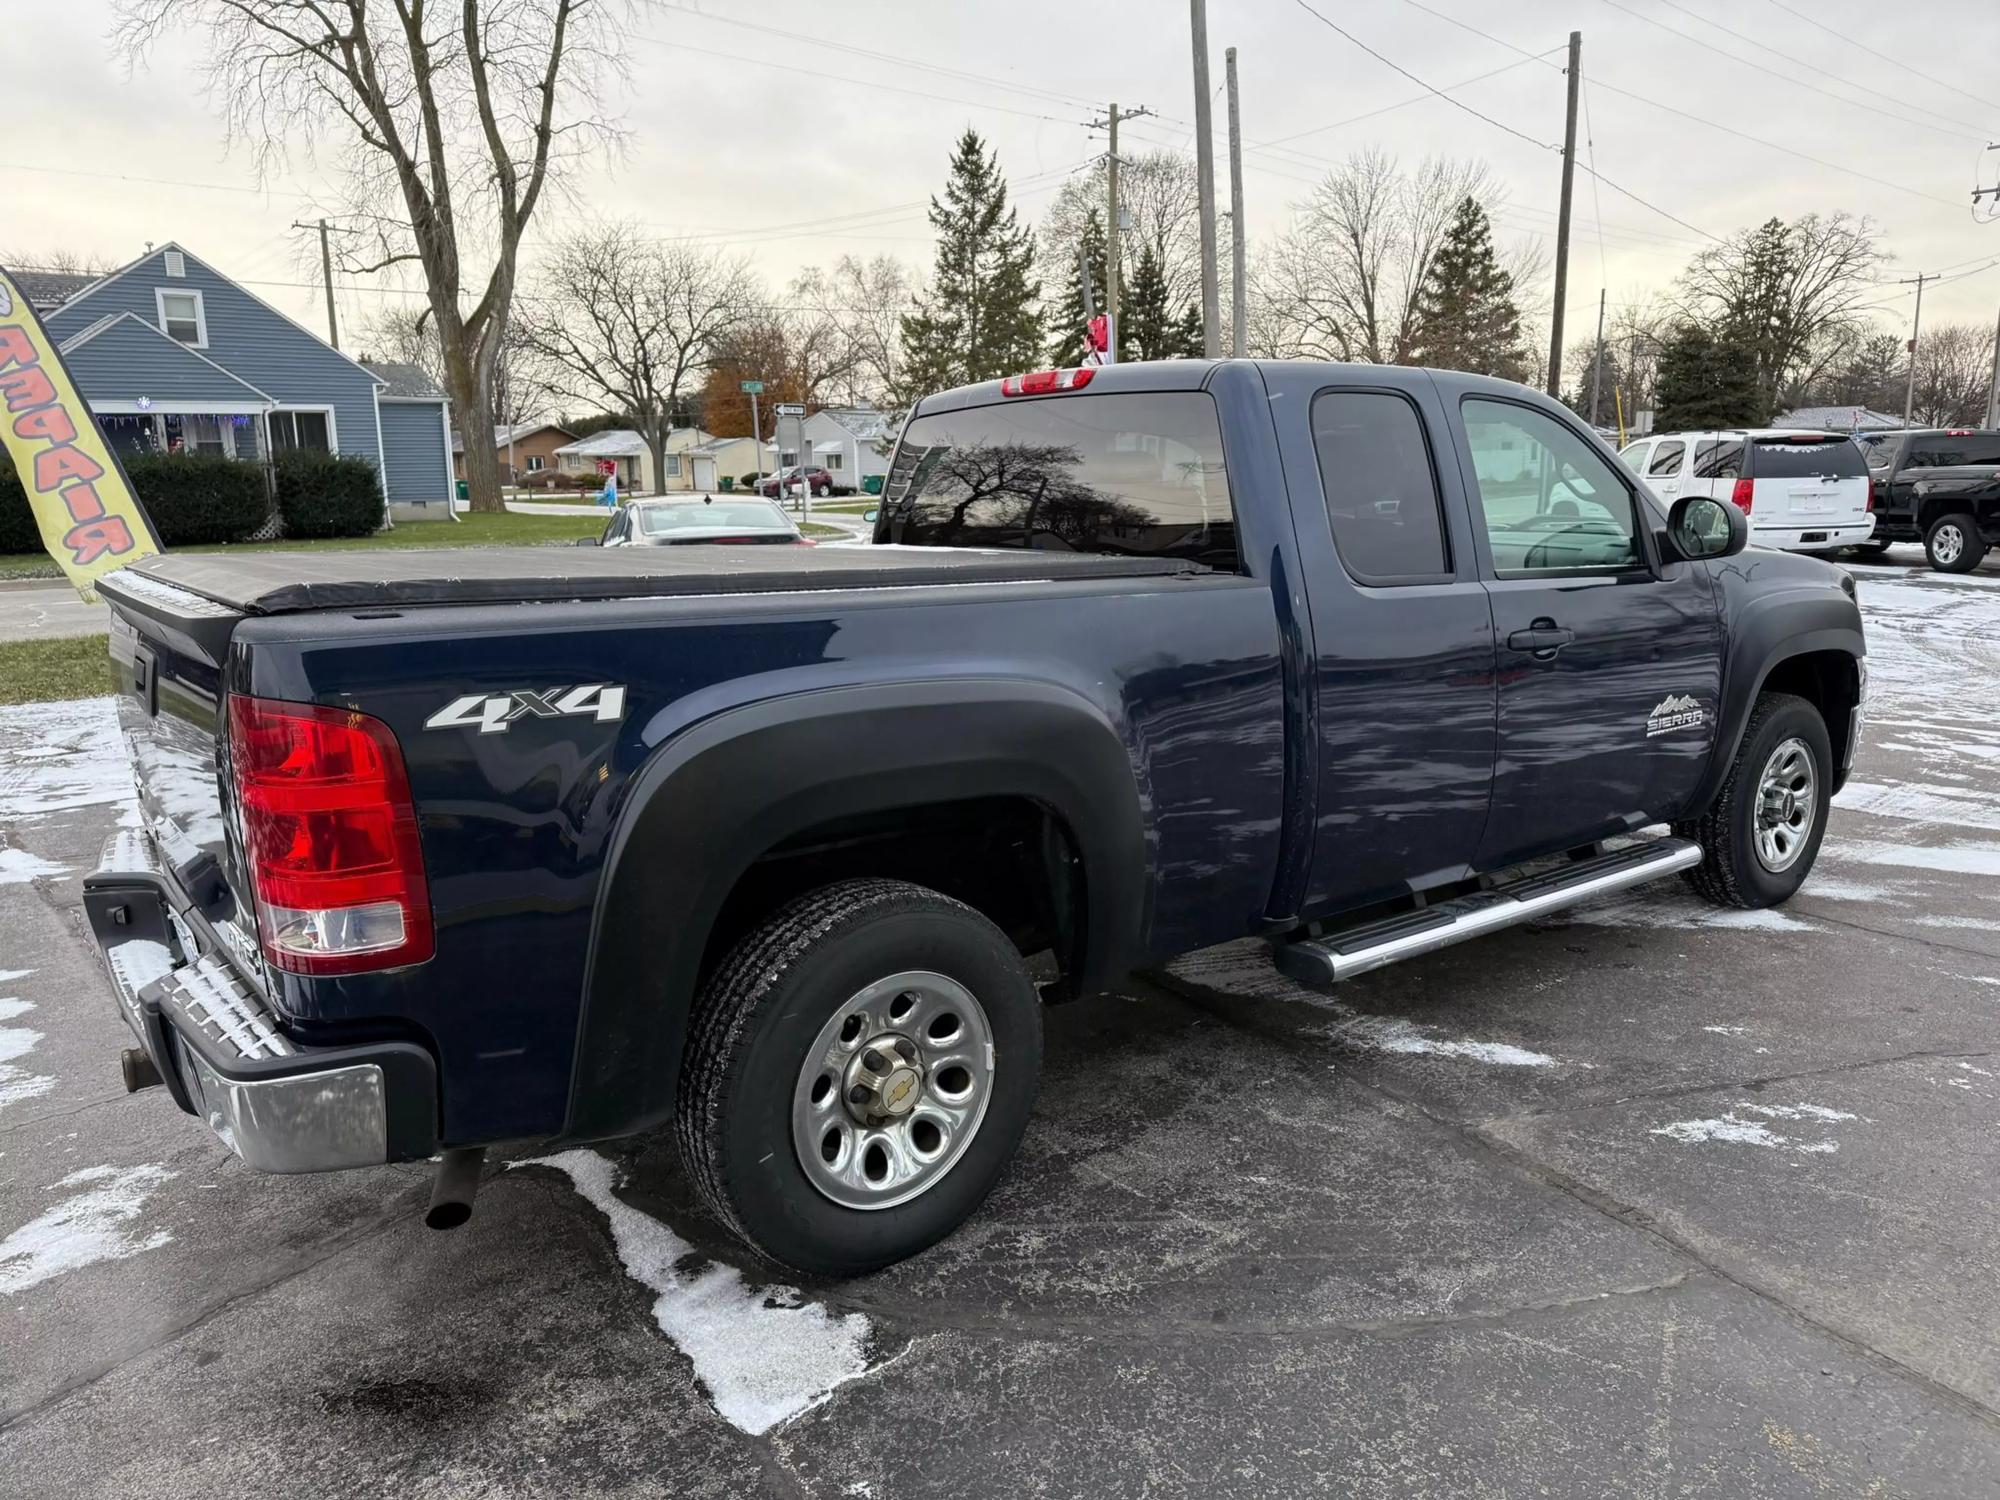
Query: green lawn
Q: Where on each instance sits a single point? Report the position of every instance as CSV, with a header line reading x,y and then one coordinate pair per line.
x,y
44,671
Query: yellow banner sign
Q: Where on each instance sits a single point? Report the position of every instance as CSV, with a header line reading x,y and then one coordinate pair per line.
x,y
90,519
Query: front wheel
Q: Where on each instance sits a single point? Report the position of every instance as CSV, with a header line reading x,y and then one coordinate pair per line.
x,y
1953,544
859,1071
1761,834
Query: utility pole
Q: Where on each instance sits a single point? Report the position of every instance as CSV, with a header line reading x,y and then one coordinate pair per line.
x,y
1597,365
1113,256
1916,332
1562,216
326,271
1204,159
1238,253
1993,391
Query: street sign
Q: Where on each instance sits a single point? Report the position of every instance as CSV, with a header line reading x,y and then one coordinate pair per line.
x,y
790,409
753,387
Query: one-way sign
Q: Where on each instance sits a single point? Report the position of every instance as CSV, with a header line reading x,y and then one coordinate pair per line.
x,y
790,409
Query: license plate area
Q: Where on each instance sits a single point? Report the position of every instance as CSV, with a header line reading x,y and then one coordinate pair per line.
x,y
1812,536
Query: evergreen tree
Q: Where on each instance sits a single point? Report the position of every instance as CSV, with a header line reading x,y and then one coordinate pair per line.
x,y
1148,329
1067,343
1706,381
979,318
1190,339
1465,313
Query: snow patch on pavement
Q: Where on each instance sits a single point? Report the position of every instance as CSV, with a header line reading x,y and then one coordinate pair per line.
x,y
765,1356
95,1223
18,866
1733,1129
1917,803
1244,968
8,976
55,757
1676,911
1953,859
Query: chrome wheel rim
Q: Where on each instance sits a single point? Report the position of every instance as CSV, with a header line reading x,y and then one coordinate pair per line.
x,y
893,1090
1948,542
1787,801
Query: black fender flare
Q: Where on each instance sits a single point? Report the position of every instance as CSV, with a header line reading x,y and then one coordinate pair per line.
x,y
715,797
1767,634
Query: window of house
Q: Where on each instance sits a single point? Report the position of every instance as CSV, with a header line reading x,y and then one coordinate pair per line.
x,y
1666,459
296,431
1381,489
534,463
1550,502
672,465
182,317
833,462
787,460
193,433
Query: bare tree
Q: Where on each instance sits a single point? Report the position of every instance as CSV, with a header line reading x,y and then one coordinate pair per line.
x,y
522,387
1160,191
460,115
64,262
847,325
1791,293
630,322
1343,276
1954,368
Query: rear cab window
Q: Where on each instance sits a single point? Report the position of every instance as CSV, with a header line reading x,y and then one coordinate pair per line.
x,y
1380,482
1133,475
1832,456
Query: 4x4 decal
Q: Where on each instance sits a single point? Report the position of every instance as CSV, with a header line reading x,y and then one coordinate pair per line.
x,y
492,713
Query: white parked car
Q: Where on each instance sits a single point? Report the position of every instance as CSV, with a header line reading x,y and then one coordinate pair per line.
x,y
1803,491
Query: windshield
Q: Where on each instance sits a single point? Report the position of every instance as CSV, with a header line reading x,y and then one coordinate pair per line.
x,y
658,520
1802,458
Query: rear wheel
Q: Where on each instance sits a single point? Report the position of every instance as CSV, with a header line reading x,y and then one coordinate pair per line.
x,y
1953,544
1761,834
859,1072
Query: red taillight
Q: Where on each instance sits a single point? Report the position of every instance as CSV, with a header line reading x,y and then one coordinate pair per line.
x,y
1042,382
806,541
330,836
1872,489
1740,495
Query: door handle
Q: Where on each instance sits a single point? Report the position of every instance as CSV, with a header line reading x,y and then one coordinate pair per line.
x,y
1543,639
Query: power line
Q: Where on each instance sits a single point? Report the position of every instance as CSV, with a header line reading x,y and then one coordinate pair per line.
x,y
1400,104
1420,83
1959,129
213,187
1881,56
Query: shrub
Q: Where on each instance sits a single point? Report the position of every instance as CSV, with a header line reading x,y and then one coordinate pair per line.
x,y
587,480
191,499
746,481
321,495
18,532
195,499
538,479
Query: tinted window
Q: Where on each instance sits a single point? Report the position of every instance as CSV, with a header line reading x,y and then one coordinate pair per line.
x,y
1803,458
1549,500
1667,458
1634,457
1940,452
1137,475
1381,492
1879,450
1718,460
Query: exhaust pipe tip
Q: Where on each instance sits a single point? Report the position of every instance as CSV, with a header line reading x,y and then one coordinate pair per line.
x,y
454,1187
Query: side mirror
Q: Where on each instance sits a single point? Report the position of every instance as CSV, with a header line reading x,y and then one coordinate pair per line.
x,y
586,541
869,515
1700,527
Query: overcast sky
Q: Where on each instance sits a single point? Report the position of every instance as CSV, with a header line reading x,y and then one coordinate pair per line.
x,y
752,138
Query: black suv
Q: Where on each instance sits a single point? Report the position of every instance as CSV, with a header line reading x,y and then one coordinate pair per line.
x,y
1897,460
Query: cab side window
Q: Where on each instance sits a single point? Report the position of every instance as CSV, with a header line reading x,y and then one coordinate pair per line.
x,y
1548,500
1666,460
1634,457
1718,460
1381,489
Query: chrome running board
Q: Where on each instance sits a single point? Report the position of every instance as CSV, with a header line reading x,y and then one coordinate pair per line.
x,y
1342,955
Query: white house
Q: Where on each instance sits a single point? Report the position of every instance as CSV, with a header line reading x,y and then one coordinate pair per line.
x,y
709,461
849,442
627,449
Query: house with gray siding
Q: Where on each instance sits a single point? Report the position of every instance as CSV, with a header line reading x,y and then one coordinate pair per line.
x,y
174,357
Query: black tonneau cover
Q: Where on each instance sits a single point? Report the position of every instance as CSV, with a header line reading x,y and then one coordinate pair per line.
x,y
275,583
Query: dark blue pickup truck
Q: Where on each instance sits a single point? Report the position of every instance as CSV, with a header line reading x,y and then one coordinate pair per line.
x,y
787,848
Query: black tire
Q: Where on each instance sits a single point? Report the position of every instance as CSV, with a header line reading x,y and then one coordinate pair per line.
x,y
749,1035
1730,873
1963,557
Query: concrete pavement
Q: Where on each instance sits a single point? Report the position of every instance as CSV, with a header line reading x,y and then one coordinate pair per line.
x,y
34,611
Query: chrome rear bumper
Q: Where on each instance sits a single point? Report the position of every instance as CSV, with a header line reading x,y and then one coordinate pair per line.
x,y
280,1106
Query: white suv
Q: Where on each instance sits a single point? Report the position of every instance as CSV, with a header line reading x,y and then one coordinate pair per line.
x,y
1802,491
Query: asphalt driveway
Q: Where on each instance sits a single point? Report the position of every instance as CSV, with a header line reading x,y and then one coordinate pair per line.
x,y
1646,1200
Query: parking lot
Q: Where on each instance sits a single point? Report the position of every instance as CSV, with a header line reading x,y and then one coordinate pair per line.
x,y
1651,1199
